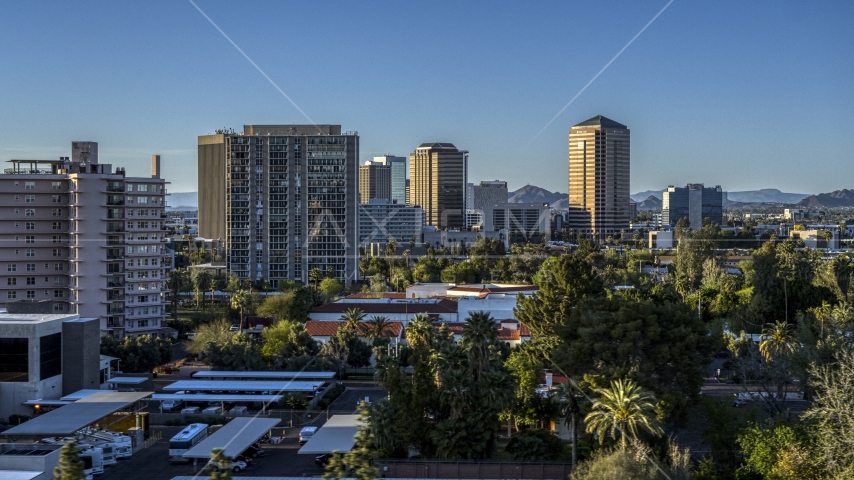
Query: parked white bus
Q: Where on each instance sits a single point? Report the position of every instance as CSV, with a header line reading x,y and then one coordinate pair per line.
x,y
185,440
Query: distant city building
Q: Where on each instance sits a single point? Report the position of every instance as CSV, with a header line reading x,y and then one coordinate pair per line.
x,y
398,176
438,175
694,202
479,196
662,239
599,168
284,198
374,182
380,221
818,238
523,222
87,238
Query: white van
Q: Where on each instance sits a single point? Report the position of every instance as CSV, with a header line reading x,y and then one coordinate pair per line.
x,y
306,433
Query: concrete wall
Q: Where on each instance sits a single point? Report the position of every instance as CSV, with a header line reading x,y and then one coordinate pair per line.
x,y
80,355
28,463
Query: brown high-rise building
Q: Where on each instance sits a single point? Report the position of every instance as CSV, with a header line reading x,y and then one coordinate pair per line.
x,y
438,173
599,177
374,182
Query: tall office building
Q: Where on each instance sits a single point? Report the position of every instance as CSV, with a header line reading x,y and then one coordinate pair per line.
x,y
599,177
483,195
398,176
380,221
284,198
374,182
694,202
87,238
438,173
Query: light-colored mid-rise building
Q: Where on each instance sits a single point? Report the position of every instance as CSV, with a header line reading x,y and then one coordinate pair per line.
x,y
599,171
86,237
380,221
438,175
522,222
284,198
398,176
374,182
694,202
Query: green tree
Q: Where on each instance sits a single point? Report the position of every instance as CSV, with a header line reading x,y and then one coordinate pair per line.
x,y
535,445
70,466
140,354
331,287
294,304
218,331
352,318
202,280
177,283
286,339
622,408
238,352
780,452
776,341
832,412
377,327
223,471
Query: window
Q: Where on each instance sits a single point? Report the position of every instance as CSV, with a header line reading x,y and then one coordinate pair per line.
x,y
31,294
30,225
57,239
31,252
30,212
30,239
57,307
56,212
141,224
142,188
17,224
56,226
142,323
31,280
130,187
56,185
14,359
56,198
29,199
143,299
12,267
17,197
58,267
141,200
58,293
11,281
11,295
29,185
57,252
31,267
50,356
16,183
58,281
142,213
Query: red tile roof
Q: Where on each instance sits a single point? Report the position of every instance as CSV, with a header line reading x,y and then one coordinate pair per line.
x,y
397,295
317,328
370,308
505,334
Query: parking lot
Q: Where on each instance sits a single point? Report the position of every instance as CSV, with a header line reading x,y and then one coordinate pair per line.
x,y
280,460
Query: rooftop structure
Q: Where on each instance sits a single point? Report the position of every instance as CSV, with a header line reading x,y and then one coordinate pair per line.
x,y
234,437
338,434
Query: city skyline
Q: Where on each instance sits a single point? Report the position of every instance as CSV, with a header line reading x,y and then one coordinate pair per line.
x,y
699,75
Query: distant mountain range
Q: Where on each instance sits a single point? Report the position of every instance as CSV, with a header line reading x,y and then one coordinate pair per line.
x,y
838,198
534,194
765,195
183,201
651,203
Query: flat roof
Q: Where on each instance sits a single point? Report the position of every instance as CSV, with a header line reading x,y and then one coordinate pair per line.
x,y
45,403
338,434
127,380
243,386
19,474
65,421
86,392
216,397
234,437
264,375
30,318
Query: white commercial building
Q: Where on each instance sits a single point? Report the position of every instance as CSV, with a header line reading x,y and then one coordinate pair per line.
x,y
381,220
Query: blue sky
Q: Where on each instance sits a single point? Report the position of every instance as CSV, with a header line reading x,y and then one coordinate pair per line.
x,y
742,94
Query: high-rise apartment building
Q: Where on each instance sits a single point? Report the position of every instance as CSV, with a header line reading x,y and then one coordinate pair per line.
x,y
599,177
694,202
374,182
86,237
438,173
284,198
398,176
482,195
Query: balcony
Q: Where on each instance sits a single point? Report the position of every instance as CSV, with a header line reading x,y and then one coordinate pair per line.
x,y
114,310
162,215
115,256
115,284
115,324
115,216
116,188
112,202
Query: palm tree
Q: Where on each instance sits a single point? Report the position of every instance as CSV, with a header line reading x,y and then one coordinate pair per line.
x,y
776,340
351,319
240,299
377,327
203,281
568,406
315,275
624,407
681,285
407,253
479,333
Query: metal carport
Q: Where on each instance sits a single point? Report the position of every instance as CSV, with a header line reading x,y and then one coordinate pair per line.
x,y
234,437
218,397
243,386
232,375
337,435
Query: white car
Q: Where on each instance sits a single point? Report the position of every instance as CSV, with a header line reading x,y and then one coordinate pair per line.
x,y
190,410
236,466
172,405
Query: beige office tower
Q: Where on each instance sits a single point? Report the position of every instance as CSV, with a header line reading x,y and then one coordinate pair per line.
x,y
283,198
86,238
374,182
599,177
438,173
